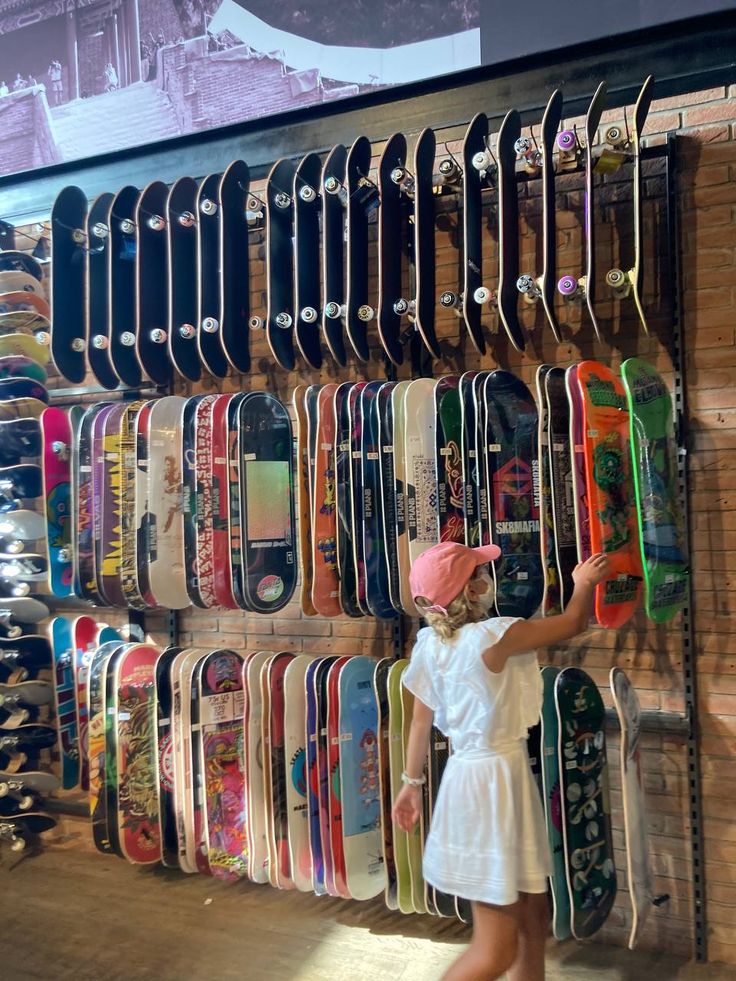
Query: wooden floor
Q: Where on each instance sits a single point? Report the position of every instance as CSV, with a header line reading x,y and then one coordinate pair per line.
x,y
68,914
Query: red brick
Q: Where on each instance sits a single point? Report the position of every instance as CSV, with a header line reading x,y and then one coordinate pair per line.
x,y
703,115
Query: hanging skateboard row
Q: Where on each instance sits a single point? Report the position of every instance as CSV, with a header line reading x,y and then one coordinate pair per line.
x,y
152,282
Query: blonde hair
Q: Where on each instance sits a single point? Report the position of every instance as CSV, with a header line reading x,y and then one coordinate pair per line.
x,y
460,611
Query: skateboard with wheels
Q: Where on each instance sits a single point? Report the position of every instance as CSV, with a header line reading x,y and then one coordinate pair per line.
x,y
394,182
570,152
209,260
20,698
544,287
17,528
234,266
425,298
23,345
553,804
512,464
151,275
222,538
448,459
399,837
380,685
508,229
303,502
274,767
139,826
97,292
280,263
122,285
561,477
19,830
344,503
659,515
17,613
362,200
584,794
334,201
164,701
325,583
165,545
295,703
96,742
220,678
22,790
307,302
20,366
369,507
12,260
577,446
267,480
31,656
109,571
632,281
20,390
611,497
383,420
551,597
355,429
334,783
19,483
421,479
638,865
21,746
57,449
181,265
365,872
68,287
254,758
398,418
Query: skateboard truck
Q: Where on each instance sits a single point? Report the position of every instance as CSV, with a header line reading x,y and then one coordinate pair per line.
x,y
333,185
620,282
450,172
13,789
530,288
405,180
527,150
14,590
570,149
8,833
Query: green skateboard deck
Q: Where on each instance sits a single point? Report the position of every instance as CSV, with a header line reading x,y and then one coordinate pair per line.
x,y
396,762
416,835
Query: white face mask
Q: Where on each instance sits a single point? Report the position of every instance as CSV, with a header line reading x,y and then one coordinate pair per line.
x,y
487,599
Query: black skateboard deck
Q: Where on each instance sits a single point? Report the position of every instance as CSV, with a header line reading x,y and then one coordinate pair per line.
x,y
19,830
307,302
11,260
370,506
19,439
508,229
97,293
21,482
152,295
181,230
68,249
344,503
362,196
209,298
393,178
122,275
334,200
477,163
425,280
234,265
563,504
383,406
280,263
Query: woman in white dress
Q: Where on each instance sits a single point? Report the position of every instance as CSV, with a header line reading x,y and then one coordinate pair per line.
x,y
478,681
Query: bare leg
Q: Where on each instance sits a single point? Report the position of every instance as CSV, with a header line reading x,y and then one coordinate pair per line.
x,y
533,929
494,946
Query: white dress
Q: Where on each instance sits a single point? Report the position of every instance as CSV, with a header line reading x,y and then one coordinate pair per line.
x,y
487,840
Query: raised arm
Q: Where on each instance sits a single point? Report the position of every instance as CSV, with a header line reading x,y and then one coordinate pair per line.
x,y
529,635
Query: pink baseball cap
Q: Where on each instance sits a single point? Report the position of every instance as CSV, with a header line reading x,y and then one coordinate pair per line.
x,y
443,570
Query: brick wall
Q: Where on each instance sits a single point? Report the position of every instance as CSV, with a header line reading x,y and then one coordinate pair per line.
x,y
651,655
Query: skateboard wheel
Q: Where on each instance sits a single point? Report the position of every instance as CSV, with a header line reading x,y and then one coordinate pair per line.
x,y
256,323
43,338
208,207
332,310
398,175
186,219
482,295
307,193
25,803
156,223
283,320
127,226
525,284
282,200
78,236
365,312
449,299
615,278
482,160
14,548
58,446
401,307
127,338
77,345
99,342
566,139
187,332
522,146
615,136
332,185
567,286
309,315
158,336
449,170
210,325
19,590
14,631
17,844
100,229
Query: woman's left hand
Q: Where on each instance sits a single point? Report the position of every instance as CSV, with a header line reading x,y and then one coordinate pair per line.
x,y
407,807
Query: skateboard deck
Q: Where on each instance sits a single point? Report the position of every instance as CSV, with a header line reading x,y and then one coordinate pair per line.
x,y
365,871
392,303
221,708
448,459
553,805
110,544
22,390
84,635
275,767
187,734
638,865
222,580
87,508
561,476
234,266
16,613
380,685
513,482
165,546
151,275
325,582
24,345
307,302
122,250
295,722
477,163
209,259
577,446
508,229
586,825
96,708
235,512
471,421
355,428
551,597
267,479
280,263
425,301
164,699
23,482
324,790
660,520
254,757
362,199
128,579
344,504
398,417
56,477
16,786
20,439
334,781
68,251
421,480
438,754
415,838
303,502
384,421
65,702
108,833
608,476
334,200
313,776
20,366
191,498
97,293
369,513
181,232
19,830
18,281
13,260
141,519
